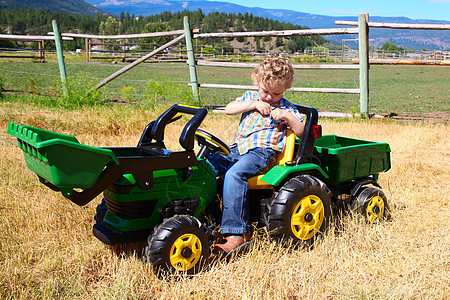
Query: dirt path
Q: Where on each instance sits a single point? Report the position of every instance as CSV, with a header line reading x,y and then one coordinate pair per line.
x,y
426,116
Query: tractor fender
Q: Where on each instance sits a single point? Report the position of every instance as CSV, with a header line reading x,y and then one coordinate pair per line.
x,y
278,173
362,183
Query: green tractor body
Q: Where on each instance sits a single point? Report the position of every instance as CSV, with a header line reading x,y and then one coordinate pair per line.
x,y
131,209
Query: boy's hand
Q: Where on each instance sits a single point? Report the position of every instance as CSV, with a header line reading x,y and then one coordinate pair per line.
x,y
263,107
296,125
279,114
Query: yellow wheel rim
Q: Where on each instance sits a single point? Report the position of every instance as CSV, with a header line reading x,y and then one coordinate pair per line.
x,y
307,217
185,252
375,209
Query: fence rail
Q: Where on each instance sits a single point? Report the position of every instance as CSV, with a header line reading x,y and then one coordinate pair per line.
x,y
302,32
253,65
122,36
30,38
398,25
293,89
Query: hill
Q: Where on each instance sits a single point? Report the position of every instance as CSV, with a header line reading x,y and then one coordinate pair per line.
x,y
412,39
70,6
38,22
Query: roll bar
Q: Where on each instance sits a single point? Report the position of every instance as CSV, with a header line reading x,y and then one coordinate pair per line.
x,y
155,129
306,149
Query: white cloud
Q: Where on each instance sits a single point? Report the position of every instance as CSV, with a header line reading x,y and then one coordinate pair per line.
x,y
116,2
112,2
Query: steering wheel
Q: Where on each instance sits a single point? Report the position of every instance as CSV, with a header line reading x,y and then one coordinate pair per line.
x,y
209,143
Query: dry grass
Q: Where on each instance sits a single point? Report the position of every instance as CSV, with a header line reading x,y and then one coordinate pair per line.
x,y
48,250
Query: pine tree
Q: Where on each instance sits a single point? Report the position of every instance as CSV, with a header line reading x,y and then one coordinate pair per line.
x,y
38,22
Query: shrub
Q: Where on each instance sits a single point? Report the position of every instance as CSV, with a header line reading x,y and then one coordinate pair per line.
x,y
81,92
127,93
307,58
164,90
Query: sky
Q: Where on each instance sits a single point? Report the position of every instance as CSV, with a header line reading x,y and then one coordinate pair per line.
x,y
413,9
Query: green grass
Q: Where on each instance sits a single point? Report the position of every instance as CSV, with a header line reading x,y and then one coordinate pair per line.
x,y
410,88
393,88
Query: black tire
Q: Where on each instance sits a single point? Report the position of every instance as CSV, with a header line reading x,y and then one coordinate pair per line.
x,y
180,243
301,211
100,211
372,204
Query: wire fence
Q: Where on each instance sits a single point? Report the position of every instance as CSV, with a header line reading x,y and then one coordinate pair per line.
x,y
24,77
164,82
320,54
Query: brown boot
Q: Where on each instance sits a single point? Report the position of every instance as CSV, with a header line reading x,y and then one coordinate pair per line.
x,y
233,244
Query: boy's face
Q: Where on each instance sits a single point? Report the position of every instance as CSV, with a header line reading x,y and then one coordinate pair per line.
x,y
271,94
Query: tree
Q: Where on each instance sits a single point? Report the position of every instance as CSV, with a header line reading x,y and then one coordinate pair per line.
x,y
109,27
391,47
38,22
155,27
279,42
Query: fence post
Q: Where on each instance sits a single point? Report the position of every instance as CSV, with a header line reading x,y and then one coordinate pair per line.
x,y
41,51
363,64
191,59
87,48
60,54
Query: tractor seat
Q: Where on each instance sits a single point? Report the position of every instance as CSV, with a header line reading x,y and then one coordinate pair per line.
x,y
255,183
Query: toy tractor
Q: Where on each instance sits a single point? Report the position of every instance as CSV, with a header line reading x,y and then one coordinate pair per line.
x,y
171,199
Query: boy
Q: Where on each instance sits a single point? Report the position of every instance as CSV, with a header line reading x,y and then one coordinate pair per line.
x,y
265,118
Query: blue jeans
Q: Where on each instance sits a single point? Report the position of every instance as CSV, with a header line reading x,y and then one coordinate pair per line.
x,y
238,169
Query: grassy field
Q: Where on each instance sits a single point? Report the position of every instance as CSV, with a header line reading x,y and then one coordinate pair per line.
x,y
48,250
421,91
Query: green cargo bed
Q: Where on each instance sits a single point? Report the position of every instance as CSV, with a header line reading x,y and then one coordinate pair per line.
x,y
344,159
60,158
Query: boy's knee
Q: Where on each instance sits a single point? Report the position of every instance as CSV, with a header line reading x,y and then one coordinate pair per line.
x,y
234,176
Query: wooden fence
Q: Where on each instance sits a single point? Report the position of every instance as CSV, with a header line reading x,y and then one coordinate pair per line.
x,y
28,38
189,35
363,25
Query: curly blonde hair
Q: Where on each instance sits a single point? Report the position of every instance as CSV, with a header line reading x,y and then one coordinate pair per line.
x,y
275,69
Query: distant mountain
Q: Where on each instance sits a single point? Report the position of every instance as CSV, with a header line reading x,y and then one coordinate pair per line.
x,y
418,39
70,6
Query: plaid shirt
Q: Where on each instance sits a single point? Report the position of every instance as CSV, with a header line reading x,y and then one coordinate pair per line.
x,y
257,130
